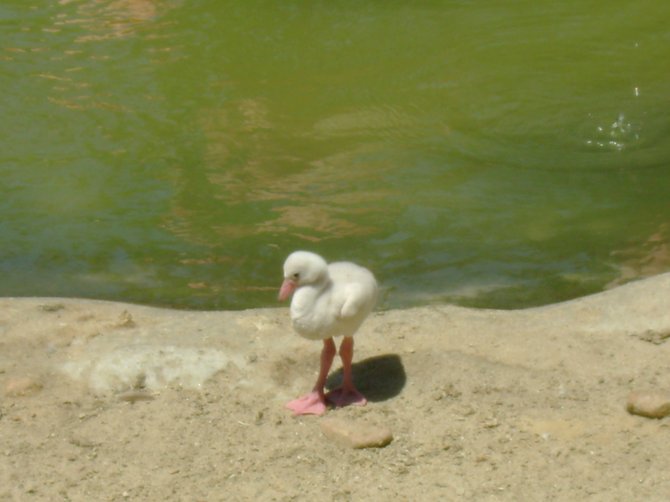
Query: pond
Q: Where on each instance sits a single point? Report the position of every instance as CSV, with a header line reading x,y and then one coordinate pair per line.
x,y
174,153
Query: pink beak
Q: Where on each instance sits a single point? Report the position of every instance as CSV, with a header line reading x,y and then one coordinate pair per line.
x,y
287,289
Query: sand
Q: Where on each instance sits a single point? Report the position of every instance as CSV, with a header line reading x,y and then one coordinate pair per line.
x,y
109,401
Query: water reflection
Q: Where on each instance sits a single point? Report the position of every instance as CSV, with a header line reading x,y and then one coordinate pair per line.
x,y
259,178
384,122
643,259
77,39
620,134
108,19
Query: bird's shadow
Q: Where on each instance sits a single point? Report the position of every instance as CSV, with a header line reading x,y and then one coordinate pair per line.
x,y
377,378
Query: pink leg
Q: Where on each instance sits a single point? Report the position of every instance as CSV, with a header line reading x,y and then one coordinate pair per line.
x,y
347,394
314,403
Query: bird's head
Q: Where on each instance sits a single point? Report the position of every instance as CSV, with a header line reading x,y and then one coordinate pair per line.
x,y
302,268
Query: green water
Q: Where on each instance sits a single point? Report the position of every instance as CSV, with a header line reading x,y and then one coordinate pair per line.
x,y
499,154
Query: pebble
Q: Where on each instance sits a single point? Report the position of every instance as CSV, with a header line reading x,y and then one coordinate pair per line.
x,y
126,320
655,337
355,434
650,404
51,307
22,386
132,396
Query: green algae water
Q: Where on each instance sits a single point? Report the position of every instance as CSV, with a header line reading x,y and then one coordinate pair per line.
x,y
494,154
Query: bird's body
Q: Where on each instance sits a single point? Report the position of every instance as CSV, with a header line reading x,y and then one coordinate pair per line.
x,y
328,300
336,306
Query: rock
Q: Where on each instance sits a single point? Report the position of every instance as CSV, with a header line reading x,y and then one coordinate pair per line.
x,y
355,434
126,320
51,307
650,404
132,396
653,336
22,386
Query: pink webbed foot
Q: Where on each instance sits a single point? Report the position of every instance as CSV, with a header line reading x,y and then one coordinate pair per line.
x,y
309,404
344,397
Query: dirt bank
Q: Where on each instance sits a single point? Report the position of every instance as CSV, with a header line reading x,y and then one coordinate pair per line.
x,y
108,401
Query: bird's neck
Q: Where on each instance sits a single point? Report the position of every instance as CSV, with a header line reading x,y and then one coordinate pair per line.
x,y
307,296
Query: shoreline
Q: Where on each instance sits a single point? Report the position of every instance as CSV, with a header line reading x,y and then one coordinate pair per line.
x,y
146,402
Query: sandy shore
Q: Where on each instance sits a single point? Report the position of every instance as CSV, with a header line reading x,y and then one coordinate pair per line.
x,y
109,401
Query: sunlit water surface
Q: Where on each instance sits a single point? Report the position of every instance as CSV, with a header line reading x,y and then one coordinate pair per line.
x,y
498,154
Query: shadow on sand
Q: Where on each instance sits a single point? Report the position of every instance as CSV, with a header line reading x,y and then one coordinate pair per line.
x,y
377,378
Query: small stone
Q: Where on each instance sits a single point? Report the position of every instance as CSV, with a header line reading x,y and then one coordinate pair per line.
x,y
51,307
355,434
83,442
132,396
655,337
650,404
22,386
490,423
126,320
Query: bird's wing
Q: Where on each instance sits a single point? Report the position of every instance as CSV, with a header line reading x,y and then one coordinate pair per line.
x,y
354,288
354,301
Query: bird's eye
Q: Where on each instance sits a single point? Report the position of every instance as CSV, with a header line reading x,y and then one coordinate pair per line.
x,y
296,276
